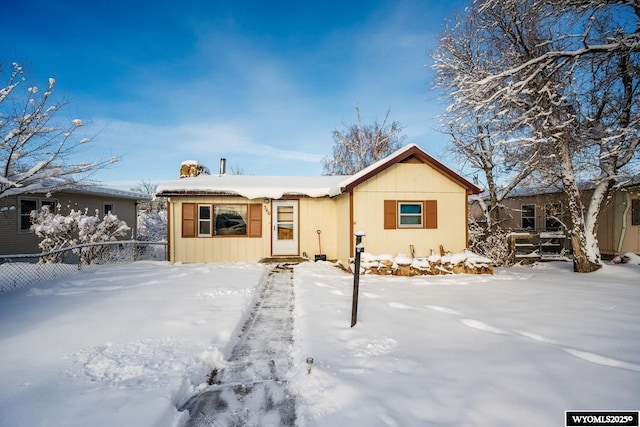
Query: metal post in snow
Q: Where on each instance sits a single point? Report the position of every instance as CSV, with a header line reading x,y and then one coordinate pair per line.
x,y
356,277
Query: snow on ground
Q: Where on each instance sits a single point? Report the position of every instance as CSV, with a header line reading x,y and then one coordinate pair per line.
x,y
125,345
121,346
516,348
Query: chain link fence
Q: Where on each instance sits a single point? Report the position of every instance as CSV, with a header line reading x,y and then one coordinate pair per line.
x,y
21,271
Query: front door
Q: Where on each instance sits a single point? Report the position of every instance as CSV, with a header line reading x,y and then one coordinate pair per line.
x,y
284,237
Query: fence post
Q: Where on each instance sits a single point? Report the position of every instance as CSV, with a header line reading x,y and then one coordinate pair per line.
x,y
356,277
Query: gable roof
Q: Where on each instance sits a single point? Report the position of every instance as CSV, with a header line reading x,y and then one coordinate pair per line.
x,y
275,187
405,153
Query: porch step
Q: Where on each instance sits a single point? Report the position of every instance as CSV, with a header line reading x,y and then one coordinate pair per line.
x,y
283,259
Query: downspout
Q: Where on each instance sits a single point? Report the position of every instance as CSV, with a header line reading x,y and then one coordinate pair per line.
x,y
466,219
623,229
351,241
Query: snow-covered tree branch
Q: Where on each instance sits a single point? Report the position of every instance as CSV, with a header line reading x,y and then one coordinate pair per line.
x,y
37,148
557,79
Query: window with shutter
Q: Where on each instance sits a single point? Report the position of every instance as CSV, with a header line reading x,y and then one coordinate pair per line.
x,y
410,214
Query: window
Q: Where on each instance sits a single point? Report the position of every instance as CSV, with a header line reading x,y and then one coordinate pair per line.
x,y
108,208
230,220
26,207
204,220
29,205
528,214
221,220
410,214
635,212
553,216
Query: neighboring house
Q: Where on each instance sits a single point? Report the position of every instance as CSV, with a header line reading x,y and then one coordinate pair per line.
x,y
541,210
407,200
15,211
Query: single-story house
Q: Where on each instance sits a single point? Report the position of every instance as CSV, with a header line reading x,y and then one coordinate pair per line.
x,y
15,211
545,209
408,200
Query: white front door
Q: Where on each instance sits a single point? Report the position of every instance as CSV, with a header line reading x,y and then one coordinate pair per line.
x,y
284,237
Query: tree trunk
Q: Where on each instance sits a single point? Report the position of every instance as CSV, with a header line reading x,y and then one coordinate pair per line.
x,y
584,260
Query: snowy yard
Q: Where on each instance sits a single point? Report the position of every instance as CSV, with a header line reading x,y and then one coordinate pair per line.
x,y
125,345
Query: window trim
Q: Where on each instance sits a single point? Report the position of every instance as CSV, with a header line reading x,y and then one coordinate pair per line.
x,y
405,215
201,221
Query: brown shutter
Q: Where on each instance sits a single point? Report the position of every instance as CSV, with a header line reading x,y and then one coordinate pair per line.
x,y
189,220
255,220
430,214
390,212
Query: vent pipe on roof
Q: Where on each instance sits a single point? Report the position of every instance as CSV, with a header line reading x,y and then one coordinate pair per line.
x,y
223,166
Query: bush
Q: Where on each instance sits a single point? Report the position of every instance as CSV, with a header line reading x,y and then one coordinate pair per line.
x,y
492,244
59,231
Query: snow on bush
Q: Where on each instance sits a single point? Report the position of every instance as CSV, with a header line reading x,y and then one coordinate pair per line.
x,y
56,231
152,226
491,244
59,231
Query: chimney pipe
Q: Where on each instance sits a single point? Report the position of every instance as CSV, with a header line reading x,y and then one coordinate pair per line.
x,y
223,166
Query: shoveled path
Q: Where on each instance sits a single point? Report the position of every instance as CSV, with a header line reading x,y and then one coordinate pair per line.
x,y
252,390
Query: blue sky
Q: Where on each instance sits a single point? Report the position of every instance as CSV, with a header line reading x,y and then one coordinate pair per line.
x,y
262,84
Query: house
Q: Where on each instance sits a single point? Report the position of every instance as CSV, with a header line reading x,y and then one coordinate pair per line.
x,y
545,210
407,200
15,211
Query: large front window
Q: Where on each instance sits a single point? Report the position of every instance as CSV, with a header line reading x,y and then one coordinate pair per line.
x,y
230,220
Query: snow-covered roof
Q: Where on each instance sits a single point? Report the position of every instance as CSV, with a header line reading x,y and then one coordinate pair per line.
x,y
275,187
100,190
254,187
57,185
625,182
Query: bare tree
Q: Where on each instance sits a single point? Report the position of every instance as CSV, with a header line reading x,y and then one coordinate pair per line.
x,y
484,138
38,151
360,145
566,74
